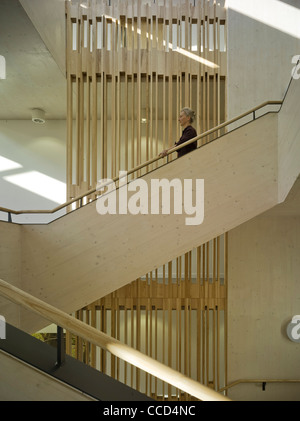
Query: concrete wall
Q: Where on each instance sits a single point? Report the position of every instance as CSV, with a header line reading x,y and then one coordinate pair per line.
x,y
264,266
264,285
263,37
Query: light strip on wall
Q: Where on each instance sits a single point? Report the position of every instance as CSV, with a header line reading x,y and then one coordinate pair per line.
x,y
197,58
40,184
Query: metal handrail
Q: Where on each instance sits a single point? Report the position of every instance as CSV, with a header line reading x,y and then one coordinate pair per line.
x,y
145,164
262,381
110,344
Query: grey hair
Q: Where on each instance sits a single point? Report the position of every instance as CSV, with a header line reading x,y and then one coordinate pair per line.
x,y
189,113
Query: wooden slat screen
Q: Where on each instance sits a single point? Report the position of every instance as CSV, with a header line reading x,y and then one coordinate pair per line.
x,y
131,67
175,314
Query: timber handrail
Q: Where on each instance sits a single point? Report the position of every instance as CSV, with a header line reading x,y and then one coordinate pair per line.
x,y
262,381
145,164
110,344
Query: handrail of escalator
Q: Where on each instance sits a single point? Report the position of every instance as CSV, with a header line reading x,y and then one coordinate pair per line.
x,y
145,164
108,343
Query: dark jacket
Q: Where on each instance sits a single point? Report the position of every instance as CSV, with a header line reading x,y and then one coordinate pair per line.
x,y
188,133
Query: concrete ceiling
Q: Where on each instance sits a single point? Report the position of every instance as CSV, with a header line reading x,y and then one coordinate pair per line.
x,y
35,77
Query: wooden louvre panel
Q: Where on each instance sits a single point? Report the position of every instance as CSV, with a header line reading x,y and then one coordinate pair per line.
x,y
131,67
175,314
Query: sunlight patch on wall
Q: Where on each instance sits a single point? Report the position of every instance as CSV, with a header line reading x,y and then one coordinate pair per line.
x,y
7,164
273,13
40,184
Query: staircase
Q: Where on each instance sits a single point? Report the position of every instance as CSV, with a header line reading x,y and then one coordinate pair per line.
x,y
84,255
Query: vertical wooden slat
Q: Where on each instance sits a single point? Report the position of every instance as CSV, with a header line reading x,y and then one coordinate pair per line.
x,y
132,334
163,342
118,127
155,349
170,337
218,355
132,121
150,306
203,330
69,162
151,105
138,151
88,134
104,127
113,125
147,343
213,350
225,309
104,329
93,347
207,354
156,114
94,147
126,342
126,118
138,338
198,344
